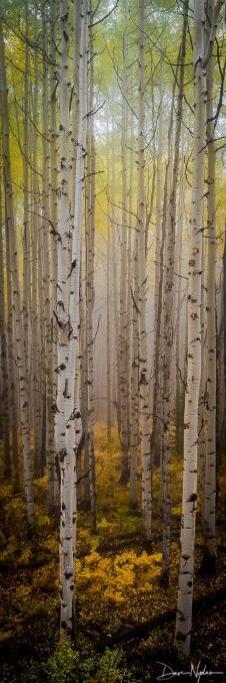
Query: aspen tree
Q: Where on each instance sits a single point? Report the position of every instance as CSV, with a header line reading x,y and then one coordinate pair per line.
x,y
129,285
10,226
26,226
75,107
109,418
13,375
189,502
46,244
90,294
54,486
83,358
179,381
35,295
186,572
168,300
210,467
124,464
66,461
67,414
4,398
115,287
134,435
202,392
143,380
108,359
157,427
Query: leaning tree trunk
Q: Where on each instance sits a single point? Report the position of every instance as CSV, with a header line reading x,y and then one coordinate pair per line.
x,y
10,226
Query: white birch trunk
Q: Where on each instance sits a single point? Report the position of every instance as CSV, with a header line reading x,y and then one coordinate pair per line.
x,y
143,380
22,369
210,468
189,504
54,489
168,306
67,414
124,462
35,300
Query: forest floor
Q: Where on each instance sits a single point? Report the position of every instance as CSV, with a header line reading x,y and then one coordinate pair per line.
x,y
125,616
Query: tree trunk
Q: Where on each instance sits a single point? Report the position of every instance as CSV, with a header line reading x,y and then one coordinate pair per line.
x,y
210,469
67,413
4,398
168,301
189,504
10,226
124,463
143,380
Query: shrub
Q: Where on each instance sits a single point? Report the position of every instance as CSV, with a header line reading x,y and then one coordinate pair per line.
x,y
62,667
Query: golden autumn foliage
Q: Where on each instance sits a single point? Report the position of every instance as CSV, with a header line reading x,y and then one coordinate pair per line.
x,y
117,577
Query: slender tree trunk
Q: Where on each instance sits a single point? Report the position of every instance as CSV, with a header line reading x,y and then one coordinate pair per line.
x,y
49,432
35,300
202,393
4,402
53,494
108,294
13,376
157,429
67,413
168,301
66,461
134,435
109,393
10,226
179,370
189,504
124,464
90,294
210,469
115,289
26,232
143,381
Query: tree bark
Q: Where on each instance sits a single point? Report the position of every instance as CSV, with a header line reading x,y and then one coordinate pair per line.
x,y
10,226
189,503
168,300
210,468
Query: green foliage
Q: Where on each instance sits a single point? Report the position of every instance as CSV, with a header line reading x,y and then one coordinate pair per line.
x,y
62,667
68,666
112,667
